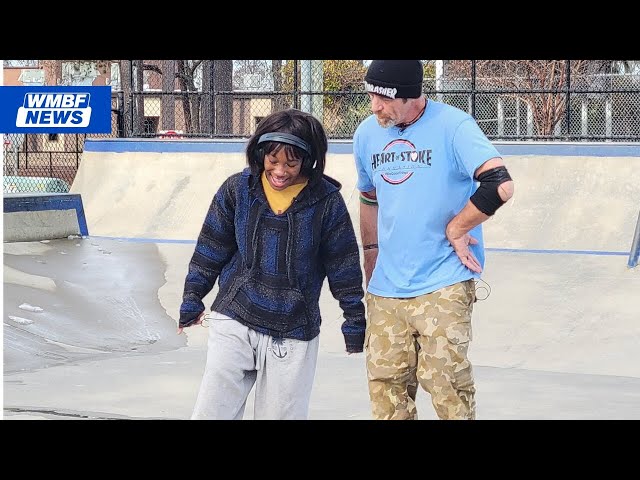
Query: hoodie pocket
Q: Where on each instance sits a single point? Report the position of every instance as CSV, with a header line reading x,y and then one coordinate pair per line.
x,y
281,309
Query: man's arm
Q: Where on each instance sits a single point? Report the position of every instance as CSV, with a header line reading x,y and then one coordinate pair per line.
x,y
471,216
369,232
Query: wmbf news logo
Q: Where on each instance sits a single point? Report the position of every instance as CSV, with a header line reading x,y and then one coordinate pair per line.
x,y
54,109
79,109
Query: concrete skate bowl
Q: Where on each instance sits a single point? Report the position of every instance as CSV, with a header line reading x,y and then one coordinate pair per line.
x,y
561,295
556,253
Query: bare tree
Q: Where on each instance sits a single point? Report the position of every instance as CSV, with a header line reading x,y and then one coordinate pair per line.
x,y
223,86
547,108
168,104
253,75
138,68
208,119
54,74
20,63
261,76
52,71
279,101
186,74
125,67
194,81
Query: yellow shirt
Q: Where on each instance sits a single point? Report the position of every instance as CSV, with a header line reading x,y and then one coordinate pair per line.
x,y
280,200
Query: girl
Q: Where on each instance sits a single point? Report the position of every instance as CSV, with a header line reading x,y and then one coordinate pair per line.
x,y
272,234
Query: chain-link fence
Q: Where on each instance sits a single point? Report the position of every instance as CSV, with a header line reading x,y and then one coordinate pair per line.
x,y
511,100
562,100
46,163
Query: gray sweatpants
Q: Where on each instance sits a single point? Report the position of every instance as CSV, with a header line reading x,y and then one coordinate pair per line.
x,y
238,357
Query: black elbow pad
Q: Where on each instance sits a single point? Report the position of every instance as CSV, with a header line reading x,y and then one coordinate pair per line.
x,y
486,198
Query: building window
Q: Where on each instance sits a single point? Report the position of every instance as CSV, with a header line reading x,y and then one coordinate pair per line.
x,y
151,125
53,137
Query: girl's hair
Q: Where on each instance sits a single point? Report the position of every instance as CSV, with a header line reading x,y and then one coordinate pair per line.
x,y
293,122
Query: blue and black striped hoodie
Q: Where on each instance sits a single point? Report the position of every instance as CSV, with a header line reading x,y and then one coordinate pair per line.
x,y
270,268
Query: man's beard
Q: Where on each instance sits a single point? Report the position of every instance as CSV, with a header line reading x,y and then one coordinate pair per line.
x,y
386,122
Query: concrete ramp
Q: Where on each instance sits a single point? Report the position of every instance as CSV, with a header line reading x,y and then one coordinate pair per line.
x,y
164,192
42,216
577,202
150,195
569,203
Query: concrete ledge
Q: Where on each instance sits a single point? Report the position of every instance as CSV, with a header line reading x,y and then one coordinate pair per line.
x,y
33,217
238,145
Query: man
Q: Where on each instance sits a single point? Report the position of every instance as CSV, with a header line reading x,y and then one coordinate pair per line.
x,y
428,178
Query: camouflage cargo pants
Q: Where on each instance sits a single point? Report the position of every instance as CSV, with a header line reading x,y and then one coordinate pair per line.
x,y
421,340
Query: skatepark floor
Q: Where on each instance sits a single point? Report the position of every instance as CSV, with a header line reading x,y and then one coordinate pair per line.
x,y
90,333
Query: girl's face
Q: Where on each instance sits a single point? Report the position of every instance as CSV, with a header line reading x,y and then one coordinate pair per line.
x,y
281,171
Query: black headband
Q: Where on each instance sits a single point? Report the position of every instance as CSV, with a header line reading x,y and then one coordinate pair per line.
x,y
285,138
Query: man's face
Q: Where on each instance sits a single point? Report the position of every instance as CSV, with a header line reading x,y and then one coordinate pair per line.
x,y
388,111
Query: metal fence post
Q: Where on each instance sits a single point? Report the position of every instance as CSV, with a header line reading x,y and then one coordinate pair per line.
x,y
132,111
212,97
296,86
473,88
120,115
567,109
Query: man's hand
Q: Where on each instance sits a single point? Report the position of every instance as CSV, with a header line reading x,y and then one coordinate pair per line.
x,y
370,258
461,246
197,322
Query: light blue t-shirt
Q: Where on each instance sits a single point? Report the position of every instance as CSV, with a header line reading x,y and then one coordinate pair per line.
x,y
423,177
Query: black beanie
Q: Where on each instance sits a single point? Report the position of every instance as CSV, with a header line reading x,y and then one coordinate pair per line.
x,y
394,78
